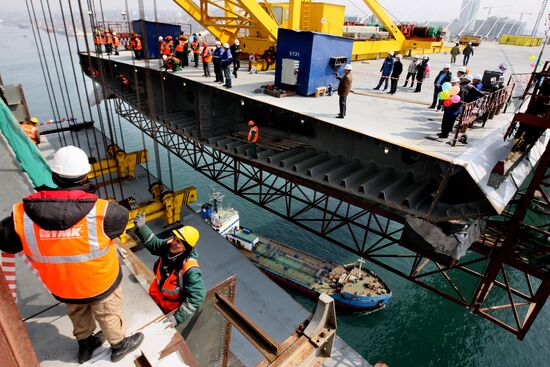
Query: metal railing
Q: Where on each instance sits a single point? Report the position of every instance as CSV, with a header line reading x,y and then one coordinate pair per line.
x,y
482,109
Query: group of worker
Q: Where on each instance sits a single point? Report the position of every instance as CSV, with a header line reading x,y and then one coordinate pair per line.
x,y
110,39
67,233
392,68
468,52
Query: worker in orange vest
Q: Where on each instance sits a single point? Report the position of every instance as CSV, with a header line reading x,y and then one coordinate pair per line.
x,y
178,284
108,41
171,62
252,139
136,46
67,234
97,42
162,45
196,47
206,56
30,128
181,45
116,43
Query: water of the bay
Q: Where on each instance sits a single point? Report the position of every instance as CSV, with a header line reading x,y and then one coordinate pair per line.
x,y
418,328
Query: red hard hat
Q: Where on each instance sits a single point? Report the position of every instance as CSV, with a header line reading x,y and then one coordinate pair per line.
x,y
251,123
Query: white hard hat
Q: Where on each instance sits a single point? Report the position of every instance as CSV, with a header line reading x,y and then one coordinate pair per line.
x,y
462,69
455,79
390,53
467,77
446,66
477,76
469,43
160,38
164,57
399,56
218,43
347,67
237,42
70,162
226,45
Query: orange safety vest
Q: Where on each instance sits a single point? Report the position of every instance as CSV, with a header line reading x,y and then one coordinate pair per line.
x,y
167,49
253,128
107,39
77,263
30,130
168,296
116,42
97,40
206,58
195,46
180,46
137,44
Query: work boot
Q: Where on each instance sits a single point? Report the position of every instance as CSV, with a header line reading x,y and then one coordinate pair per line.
x,y
125,346
87,346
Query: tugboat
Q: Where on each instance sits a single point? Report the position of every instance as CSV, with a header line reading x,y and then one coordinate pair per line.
x,y
353,288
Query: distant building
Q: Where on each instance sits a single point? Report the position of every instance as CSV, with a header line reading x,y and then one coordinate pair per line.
x,y
467,16
495,26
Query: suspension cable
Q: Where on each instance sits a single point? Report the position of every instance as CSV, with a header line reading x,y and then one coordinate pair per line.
x,y
45,68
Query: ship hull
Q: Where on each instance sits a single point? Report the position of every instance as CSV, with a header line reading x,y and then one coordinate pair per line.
x,y
343,301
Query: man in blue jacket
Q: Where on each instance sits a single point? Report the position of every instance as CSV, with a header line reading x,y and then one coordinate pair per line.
x,y
387,68
216,60
444,76
226,61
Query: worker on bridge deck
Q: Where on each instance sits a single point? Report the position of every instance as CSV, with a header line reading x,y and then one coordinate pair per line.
x,y
386,69
467,52
196,48
108,41
178,287
206,55
97,42
455,51
395,74
252,139
116,43
225,62
236,53
421,71
216,60
136,45
344,88
411,72
444,76
171,62
179,50
67,234
30,128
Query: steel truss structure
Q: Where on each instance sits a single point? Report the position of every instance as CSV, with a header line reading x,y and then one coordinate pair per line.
x,y
367,231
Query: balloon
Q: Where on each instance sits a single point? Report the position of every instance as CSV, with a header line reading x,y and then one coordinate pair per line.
x,y
444,94
455,90
446,86
467,71
447,102
532,57
533,65
455,98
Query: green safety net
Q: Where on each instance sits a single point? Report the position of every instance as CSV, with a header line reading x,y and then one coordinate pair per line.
x,y
26,152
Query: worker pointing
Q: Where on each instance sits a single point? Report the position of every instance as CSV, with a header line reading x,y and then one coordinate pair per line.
x,y
178,286
67,234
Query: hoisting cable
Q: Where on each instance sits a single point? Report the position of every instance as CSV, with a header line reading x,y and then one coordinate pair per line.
x,y
55,67
86,134
63,74
44,67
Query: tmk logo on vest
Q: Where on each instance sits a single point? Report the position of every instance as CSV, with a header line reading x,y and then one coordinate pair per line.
x,y
71,233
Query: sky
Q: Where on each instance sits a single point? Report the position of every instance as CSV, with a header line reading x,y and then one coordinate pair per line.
x,y
413,10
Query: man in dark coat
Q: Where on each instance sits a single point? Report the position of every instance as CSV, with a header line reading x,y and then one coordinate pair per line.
x,y
467,52
394,77
421,73
344,88
386,69
444,76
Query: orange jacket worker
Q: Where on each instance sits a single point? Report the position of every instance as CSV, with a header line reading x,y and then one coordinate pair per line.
x,y
67,234
252,139
30,128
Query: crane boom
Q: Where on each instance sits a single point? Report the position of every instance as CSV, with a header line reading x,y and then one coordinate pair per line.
x,y
380,13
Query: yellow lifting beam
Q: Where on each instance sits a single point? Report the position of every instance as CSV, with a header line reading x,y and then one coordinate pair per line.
x,y
237,15
385,19
124,164
165,205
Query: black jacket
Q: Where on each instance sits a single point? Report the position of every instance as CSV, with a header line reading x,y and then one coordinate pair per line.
x,y
446,78
397,69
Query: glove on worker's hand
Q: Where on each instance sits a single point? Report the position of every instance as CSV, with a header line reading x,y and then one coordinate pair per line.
x,y
139,220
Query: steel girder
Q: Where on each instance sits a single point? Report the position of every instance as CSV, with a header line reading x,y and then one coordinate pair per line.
x,y
367,233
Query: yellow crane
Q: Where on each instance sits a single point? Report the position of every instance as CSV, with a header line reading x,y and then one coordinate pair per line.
x,y
255,23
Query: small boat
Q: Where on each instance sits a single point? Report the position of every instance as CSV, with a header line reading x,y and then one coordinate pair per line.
x,y
352,287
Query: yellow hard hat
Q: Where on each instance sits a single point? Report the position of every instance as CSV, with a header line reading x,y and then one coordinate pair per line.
x,y
187,234
34,120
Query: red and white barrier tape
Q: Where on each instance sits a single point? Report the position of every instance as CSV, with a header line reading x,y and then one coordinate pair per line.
x,y
7,263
